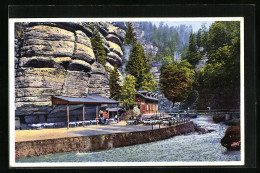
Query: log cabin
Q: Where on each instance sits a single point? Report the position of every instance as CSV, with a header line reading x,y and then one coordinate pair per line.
x,y
147,102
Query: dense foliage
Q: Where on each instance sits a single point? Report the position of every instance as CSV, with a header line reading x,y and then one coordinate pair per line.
x,y
176,80
138,67
148,83
128,91
170,40
115,88
219,80
98,48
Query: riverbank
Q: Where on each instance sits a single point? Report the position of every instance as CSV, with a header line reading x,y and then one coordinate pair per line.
x,y
96,139
42,134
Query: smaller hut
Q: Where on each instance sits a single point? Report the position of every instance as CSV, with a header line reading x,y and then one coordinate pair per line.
x,y
147,102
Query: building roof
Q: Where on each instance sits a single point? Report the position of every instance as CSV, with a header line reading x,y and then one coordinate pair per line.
x,y
146,97
143,91
113,109
91,98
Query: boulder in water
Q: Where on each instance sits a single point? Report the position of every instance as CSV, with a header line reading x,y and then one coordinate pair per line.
x,y
219,118
203,130
231,140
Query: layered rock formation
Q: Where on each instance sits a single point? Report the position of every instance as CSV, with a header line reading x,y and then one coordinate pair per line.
x,y
58,59
148,46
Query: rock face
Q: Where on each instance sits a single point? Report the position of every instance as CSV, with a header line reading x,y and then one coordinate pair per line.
x,y
219,118
202,62
58,59
231,140
148,46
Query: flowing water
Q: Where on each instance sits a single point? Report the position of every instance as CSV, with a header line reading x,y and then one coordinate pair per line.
x,y
188,147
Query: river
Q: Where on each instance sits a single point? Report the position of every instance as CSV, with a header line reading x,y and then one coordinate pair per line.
x,y
189,148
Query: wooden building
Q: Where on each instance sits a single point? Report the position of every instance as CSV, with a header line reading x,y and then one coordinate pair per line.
x,y
94,100
147,102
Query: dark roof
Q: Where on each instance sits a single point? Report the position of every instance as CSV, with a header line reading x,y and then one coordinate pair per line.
x,y
148,92
91,98
146,97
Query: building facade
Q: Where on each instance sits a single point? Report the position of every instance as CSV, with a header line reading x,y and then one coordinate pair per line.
x,y
147,102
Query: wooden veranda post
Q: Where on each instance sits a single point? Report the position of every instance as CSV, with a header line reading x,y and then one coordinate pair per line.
x,y
83,115
108,111
96,115
117,116
68,118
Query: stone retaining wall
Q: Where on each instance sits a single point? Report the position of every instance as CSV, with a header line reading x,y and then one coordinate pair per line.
x,y
98,142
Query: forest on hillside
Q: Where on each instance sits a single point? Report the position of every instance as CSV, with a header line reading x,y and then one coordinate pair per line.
x,y
215,85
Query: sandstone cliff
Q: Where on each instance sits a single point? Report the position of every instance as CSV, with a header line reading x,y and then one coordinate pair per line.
x,y
141,35
58,59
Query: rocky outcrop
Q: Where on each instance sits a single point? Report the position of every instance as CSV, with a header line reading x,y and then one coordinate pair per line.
x,y
231,140
203,130
219,118
58,59
148,46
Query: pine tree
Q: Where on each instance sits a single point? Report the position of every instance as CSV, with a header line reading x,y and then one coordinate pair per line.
x,y
193,57
98,48
192,44
199,38
155,36
115,88
128,91
137,65
184,53
130,34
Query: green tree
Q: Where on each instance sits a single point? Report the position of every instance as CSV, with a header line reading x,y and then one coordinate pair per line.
x,y
199,38
219,80
98,48
149,82
167,60
115,88
176,81
184,53
204,36
130,34
192,43
193,56
216,37
155,36
137,65
128,91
